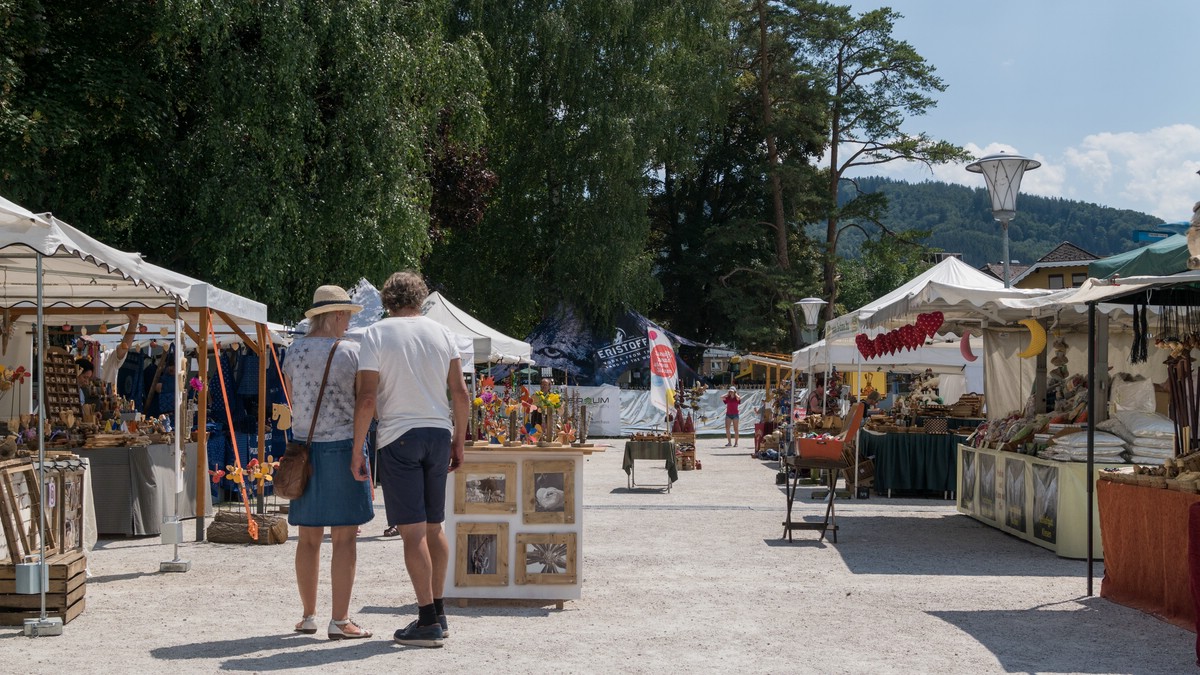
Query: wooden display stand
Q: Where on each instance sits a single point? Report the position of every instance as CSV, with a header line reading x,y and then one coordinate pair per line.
x,y
62,385
833,455
514,520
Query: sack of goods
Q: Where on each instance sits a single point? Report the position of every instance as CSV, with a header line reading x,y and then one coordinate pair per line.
x,y
1073,448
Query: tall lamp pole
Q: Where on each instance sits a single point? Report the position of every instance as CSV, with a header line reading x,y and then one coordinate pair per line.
x,y
811,308
1003,175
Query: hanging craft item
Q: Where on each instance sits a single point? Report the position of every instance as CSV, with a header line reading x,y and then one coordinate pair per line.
x,y
1179,333
1037,338
964,347
1141,335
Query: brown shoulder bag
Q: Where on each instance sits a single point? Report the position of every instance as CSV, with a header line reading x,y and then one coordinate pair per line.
x,y
291,477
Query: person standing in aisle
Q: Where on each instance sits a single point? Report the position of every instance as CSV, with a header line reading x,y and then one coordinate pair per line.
x,y
733,404
407,364
333,498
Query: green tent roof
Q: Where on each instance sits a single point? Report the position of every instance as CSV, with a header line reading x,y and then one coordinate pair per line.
x,y
1168,256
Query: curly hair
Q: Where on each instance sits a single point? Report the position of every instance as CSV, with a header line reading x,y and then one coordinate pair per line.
x,y
404,289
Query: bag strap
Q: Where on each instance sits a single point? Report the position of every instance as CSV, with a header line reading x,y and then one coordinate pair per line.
x,y
321,394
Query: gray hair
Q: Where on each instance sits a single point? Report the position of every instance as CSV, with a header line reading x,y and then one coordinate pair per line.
x,y
404,290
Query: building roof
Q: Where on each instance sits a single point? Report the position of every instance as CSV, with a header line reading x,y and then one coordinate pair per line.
x,y
996,269
1067,252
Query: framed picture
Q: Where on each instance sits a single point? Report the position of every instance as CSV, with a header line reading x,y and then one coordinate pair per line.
x,y
486,488
481,555
549,492
547,558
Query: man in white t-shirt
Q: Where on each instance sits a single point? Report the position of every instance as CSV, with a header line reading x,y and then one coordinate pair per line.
x,y
407,363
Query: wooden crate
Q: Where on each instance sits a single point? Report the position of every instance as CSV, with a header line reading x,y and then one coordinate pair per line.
x,y
20,513
65,596
681,437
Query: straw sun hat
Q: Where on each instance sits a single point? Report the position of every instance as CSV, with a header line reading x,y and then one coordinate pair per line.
x,y
331,299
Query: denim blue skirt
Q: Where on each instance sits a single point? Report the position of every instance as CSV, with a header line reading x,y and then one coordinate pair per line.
x,y
333,498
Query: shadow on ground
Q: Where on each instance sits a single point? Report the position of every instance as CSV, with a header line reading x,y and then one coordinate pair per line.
x,y
1020,639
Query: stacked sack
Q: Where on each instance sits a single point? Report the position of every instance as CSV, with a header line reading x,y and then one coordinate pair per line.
x,y
1073,448
1151,436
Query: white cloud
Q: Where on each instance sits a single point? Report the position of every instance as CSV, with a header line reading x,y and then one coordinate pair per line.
x,y
1152,171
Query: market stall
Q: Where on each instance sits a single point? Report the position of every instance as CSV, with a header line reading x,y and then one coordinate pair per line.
x,y
911,462
56,274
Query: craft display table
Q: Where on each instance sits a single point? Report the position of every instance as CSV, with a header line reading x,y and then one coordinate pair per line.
x,y
833,469
1039,500
514,519
1146,549
911,461
134,487
663,451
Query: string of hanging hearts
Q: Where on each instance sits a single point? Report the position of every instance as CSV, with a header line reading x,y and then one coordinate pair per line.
x,y
904,338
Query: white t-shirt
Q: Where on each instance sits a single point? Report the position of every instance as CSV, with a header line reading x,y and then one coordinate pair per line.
x,y
413,356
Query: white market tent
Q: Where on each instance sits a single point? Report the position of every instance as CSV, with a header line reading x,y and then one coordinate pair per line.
x,y
49,268
488,344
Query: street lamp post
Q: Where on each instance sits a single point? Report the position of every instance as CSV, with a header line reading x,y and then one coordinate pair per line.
x,y
1003,175
811,308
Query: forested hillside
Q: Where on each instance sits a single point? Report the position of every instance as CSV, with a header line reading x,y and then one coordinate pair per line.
x,y
960,221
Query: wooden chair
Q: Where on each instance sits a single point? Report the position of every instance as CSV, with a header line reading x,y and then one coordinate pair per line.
x,y
832,455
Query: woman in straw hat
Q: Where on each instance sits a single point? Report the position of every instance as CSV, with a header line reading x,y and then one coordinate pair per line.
x,y
333,498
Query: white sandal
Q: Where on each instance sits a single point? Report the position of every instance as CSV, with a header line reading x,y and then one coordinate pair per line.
x,y
336,632
308,625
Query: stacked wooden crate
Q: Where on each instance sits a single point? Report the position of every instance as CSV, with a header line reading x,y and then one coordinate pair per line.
x,y
21,505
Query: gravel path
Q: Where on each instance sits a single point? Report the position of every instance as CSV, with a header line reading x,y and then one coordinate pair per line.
x,y
696,580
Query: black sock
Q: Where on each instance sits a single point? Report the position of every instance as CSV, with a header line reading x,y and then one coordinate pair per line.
x,y
439,607
426,615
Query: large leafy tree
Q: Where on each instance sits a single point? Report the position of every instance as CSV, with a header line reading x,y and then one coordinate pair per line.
x,y
268,147
586,100
875,83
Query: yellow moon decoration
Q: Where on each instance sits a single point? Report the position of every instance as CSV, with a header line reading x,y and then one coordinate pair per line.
x,y
1037,338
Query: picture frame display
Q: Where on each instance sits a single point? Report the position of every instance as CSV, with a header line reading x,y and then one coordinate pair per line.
x,y
481,554
549,492
486,487
550,558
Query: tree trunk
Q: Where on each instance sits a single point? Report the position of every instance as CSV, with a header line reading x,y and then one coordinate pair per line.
x,y
778,223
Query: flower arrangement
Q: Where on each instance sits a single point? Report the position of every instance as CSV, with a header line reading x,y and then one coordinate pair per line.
x,y
548,401
196,384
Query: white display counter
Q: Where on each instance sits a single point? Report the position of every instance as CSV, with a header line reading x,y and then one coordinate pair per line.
x,y
1040,500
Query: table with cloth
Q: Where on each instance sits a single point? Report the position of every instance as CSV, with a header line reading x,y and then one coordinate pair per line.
x,y
660,450
1146,532
911,461
134,488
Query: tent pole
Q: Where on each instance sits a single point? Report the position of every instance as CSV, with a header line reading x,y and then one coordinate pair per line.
x,y
264,343
41,436
201,424
1091,439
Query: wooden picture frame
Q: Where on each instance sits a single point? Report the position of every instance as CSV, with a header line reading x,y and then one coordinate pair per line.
x,y
481,554
550,558
486,487
549,493
20,512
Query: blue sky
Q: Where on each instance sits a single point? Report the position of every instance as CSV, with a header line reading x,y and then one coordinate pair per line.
x,y
1105,93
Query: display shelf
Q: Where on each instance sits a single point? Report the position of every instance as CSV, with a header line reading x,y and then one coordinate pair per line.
x,y
61,384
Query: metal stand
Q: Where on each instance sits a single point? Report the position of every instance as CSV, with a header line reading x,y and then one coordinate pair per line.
x,y
172,533
829,524
633,483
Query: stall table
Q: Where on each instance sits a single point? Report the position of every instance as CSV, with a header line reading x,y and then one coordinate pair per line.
x,y
1042,501
1146,549
514,521
663,451
134,488
911,461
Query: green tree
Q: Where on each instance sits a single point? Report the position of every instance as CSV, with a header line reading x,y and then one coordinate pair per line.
x,y
267,147
874,83
587,101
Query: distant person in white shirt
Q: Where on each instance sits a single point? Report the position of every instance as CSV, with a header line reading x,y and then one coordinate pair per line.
x,y
407,364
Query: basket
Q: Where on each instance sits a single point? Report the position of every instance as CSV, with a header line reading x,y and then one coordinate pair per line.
x,y
937,425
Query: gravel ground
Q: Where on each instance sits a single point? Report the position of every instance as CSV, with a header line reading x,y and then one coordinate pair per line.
x,y
696,580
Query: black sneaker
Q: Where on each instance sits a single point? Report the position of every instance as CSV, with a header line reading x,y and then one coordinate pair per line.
x,y
445,626
420,636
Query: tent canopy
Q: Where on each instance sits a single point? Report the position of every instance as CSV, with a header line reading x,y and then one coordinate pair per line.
x,y
81,272
1167,256
488,344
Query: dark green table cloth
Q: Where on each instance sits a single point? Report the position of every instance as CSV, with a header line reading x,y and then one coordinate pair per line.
x,y
912,461
664,450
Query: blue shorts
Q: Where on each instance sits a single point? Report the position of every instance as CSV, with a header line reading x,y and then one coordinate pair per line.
x,y
412,471
732,417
